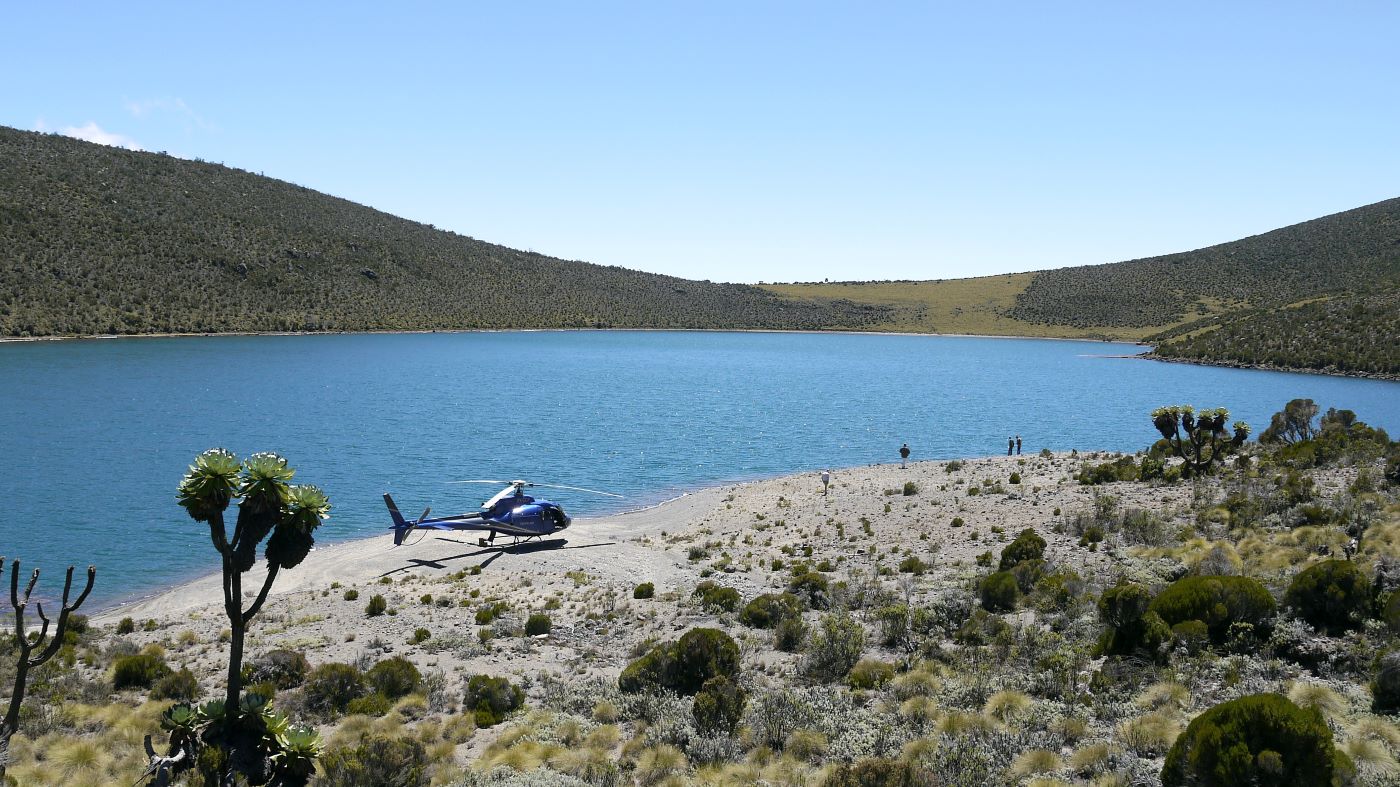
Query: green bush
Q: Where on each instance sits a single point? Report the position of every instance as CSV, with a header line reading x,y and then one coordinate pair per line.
x,y
1123,469
352,595
644,590
1216,601
537,624
789,634
910,488
393,677
880,772
1132,625
912,565
491,699
402,762
715,597
1332,595
811,586
870,674
1385,686
980,628
180,686
999,592
1390,611
718,706
375,704
834,648
139,671
490,612
1028,573
285,669
1027,546
330,687
376,606
126,626
1192,635
1392,465
683,666
420,635
1258,739
768,610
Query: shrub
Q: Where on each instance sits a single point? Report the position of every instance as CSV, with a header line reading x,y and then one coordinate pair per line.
x,y
1123,469
180,686
834,648
490,612
352,594
139,671
1390,610
811,586
376,606
1332,595
789,634
537,624
1385,687
1392,466
1192,635
420,635
912,565
285,669
910,488
644,590
330,687
879,772
1216,601
369,705
999,592
718,706
770,609
980,628
683,666
393,677
1027,546
715,597
491,699
1132,625
1027,573
126,626
375,760
1258,739
870,674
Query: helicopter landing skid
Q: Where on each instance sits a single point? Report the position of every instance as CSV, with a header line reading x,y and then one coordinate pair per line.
x,y
490,542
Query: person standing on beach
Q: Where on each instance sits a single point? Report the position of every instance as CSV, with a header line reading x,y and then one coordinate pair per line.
x,y
1018,445
826,482
1010,445
903,455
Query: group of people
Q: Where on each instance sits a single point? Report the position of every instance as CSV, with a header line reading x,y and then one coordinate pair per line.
x,y
1013,446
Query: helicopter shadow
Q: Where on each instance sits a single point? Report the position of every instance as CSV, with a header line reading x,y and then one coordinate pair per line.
x,y
494,552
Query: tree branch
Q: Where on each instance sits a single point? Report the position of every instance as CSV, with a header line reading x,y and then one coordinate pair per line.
x,y
272,570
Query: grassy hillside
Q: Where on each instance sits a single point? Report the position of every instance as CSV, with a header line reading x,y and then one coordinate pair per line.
x,y
96,240
1277,268
1351,333
979,305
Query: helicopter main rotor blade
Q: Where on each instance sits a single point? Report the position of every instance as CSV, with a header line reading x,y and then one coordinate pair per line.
x,y
577,489
481,481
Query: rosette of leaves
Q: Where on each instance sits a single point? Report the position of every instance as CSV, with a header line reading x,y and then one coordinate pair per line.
x,y
295,754
1199,439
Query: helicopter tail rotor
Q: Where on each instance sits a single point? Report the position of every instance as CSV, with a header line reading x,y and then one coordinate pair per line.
x,y
401,526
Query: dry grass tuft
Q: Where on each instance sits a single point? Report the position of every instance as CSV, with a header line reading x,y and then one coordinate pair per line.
x,y
1007,705
1035,761
1150,735
1315,695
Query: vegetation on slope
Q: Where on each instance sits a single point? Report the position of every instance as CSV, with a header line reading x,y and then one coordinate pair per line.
x,y
97,240
1263,271
1348,334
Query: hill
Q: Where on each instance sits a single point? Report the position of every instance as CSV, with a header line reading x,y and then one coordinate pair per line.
x,y
1334,253
98,240
1316,296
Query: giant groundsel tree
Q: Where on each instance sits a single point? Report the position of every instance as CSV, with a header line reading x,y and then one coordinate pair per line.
x,y
267,505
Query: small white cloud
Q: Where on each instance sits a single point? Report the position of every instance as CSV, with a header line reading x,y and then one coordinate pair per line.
x,y
91,132
176,106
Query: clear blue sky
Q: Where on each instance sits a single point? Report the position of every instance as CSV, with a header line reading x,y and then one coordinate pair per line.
x,y
754,141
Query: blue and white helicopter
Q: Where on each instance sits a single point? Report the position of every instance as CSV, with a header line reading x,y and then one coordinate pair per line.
x,y
510,512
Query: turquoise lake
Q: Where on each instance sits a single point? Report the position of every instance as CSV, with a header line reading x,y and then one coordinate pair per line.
x,y
95,435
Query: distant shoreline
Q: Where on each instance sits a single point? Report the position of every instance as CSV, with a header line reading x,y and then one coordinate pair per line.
x,y
407,332
1268,367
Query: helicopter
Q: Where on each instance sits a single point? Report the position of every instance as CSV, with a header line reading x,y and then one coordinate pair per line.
x,y
510,512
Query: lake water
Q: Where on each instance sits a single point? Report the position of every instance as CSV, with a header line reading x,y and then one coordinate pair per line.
x,y
95,435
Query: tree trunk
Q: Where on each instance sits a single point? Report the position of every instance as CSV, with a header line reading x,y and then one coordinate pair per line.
x,y
233,605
